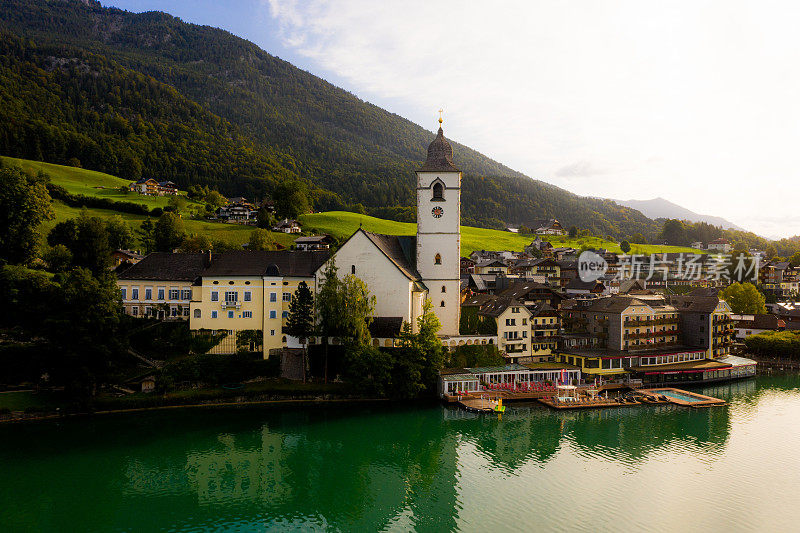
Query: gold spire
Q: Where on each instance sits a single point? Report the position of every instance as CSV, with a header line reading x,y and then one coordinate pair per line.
x,y
440,117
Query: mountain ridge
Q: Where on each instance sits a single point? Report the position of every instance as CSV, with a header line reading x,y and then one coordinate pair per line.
x,y
242,102
662,208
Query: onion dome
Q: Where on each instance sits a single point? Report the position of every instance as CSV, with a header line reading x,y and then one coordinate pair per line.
x,y
440,156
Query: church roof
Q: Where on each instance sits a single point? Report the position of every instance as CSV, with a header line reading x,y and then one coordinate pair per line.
x,y
399,249
440,156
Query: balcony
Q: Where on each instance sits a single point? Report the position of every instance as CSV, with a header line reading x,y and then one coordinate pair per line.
x,y
646,334
231,305
651,322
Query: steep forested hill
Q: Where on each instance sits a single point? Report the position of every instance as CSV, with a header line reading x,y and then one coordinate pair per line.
x,y
133,94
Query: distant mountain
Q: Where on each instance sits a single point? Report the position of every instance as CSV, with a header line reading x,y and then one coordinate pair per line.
x,y
150,95
661,208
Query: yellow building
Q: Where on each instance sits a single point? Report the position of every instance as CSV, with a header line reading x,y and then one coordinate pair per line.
x,y
160,285
545,326
513,327
241,291
491,266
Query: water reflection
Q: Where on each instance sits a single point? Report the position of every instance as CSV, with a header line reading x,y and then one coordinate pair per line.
x,y
375,469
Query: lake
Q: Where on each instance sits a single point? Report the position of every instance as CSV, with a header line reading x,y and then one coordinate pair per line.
x,y
422,467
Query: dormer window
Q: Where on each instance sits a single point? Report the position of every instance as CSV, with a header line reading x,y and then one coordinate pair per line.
x,y
438,191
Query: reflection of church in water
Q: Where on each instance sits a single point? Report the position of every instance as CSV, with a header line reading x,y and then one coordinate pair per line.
x,y
409,474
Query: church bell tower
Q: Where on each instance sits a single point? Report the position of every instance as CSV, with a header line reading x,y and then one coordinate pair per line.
x,y
439,232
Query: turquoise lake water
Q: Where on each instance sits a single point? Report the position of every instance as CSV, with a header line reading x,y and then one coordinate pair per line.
x,y
424,467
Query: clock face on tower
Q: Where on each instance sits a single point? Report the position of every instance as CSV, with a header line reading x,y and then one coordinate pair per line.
x,y
437,212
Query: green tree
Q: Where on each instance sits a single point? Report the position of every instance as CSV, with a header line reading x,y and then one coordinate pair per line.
x,y
214,200
261,240
168,232
794,260
291,199
65,233
265,219
25,204
120,234
300,322
419,357
573,232
674,232
58,258
637,238
329,305
146,233
744,298
176,203
85,325
87,238
196,243
357,309
771,251
625,247
370,370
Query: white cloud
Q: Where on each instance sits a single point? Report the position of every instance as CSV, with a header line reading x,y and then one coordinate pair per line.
x,y
695,101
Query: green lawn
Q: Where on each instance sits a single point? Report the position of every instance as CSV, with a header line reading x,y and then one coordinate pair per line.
x,y
233,233
338,223
90,183
19,401
342,224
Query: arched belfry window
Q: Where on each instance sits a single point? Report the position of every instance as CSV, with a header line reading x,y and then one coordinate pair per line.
x,y
438,191
437,260
444,289
353,269
441,304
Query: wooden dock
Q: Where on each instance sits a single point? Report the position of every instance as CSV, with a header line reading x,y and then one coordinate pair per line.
x,y
596,404
484,401
478,405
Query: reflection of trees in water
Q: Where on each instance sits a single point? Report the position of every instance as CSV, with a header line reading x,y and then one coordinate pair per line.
x,y
318,464
630,433
745,395
531,433
355,469
523,433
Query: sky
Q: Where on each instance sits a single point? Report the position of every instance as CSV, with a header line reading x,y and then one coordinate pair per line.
x,y
694,101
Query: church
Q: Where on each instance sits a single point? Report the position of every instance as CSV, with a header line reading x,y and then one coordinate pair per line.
x,y
403,271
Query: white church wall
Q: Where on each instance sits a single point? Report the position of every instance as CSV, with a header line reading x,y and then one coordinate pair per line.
x,y
390,287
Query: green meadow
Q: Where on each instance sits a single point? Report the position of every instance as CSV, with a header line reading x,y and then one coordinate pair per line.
x,y
340,224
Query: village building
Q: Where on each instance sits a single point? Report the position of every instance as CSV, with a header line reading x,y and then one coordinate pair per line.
x,y
578,287
547,226
654,339
491,266
151,187
313,242
288,226
548,268
160,285
545,326
789,312
513,327
747,325
127,257
539,246
779,278
720,245
251,291
238,210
